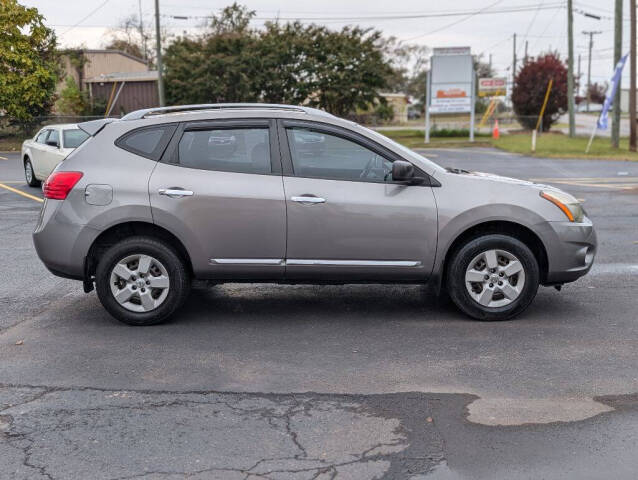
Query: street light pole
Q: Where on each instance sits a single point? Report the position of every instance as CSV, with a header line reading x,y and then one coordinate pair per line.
x,y
158,48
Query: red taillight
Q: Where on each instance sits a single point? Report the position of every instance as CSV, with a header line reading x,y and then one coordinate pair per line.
x,y
59,184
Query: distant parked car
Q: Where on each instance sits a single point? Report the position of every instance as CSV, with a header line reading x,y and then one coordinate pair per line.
x,y
42,153
285,194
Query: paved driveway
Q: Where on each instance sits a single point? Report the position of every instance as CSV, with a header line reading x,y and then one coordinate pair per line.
x,y
300,382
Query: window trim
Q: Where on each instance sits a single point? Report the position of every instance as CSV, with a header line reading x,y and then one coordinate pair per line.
x,y
57,130
171,154
156,154
286,155
46,130
63,140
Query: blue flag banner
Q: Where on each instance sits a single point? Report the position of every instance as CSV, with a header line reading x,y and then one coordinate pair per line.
x,y
611,93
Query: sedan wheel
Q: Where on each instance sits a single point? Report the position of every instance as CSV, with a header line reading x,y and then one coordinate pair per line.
x,y
29,175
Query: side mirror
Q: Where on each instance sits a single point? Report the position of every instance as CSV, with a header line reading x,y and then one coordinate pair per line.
x,y
52,143
403,172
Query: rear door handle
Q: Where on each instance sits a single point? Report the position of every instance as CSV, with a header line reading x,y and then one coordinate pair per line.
x,y
308,199
175,192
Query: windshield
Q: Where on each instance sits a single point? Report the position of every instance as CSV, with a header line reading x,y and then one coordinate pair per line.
x,y
409,154
74,138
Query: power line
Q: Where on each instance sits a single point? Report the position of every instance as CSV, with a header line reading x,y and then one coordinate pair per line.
x,y
478,12
456,13
86,18
529,27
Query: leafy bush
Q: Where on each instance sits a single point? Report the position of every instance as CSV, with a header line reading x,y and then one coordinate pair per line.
x,y
72,100
454,132
530,86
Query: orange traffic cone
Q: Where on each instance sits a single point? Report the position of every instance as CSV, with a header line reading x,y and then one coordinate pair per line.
x,y
495,132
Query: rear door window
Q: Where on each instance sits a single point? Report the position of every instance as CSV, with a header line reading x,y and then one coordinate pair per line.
x,y
241,150
148,142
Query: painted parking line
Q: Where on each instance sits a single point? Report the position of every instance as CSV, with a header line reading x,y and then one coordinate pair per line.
x,y
3,158
614,183
20,192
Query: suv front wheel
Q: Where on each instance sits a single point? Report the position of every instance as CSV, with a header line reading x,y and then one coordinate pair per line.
x,y
141,281
493,277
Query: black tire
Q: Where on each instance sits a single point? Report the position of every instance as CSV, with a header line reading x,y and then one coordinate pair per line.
x,y
34,182
179,279
460,261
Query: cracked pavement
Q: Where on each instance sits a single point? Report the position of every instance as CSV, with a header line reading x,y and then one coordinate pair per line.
x,y
323,382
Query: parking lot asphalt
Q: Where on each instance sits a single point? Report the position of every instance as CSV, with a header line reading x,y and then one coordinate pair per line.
x,y
300,382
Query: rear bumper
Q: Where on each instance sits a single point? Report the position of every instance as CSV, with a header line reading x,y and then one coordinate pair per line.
x,y
62,246
571,249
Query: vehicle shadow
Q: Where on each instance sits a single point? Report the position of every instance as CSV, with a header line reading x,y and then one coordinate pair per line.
x,y
327,302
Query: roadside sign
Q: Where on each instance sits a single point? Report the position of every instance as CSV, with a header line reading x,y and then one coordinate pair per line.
x,y
492,87
451,84
451,51
451,98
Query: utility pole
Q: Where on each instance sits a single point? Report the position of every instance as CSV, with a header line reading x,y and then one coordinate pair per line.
x,y
525,61
141,28
570,68
514,61
158,47
490,62
615,119
514,64
632,76
591,45
579,68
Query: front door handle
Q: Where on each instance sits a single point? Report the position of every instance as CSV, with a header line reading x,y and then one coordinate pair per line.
x,y
308,199
175,192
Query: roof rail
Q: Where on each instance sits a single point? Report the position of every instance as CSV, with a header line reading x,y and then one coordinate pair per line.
x,y
139,114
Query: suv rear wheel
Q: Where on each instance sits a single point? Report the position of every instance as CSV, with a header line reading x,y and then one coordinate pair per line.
x,y
493,277
141,281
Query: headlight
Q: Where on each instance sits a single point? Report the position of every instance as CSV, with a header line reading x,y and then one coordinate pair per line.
x,y
568,204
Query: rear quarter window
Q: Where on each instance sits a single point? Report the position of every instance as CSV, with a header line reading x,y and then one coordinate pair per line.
x,y
74,137
149,142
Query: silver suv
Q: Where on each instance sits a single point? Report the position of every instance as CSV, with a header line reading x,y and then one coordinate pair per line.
x,y
276,193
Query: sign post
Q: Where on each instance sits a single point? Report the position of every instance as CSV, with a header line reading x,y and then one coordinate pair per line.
x,y
451,85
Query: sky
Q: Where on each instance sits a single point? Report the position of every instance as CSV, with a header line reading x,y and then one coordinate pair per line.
x,y
487,26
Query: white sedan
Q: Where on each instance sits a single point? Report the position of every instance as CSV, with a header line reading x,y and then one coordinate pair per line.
x,y
42,153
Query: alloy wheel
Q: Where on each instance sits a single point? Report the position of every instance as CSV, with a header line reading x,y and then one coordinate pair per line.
x,y
495,278
139,283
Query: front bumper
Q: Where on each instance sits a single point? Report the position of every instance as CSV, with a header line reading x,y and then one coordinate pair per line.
x,y
571,249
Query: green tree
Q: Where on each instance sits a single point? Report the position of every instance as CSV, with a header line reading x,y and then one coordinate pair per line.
x,y
349,69
72,100
28,62
219,67
285,66
338,71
